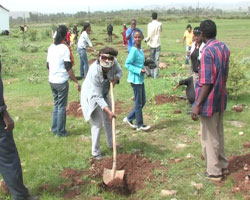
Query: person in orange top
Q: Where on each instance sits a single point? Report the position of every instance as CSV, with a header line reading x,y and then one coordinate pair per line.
x,y
188,36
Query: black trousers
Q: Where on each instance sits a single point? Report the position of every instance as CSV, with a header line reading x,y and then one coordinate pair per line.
x,y
10,166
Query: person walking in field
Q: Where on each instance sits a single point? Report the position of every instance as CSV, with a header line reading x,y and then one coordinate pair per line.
x,y
10,164
130,34
124,38
135,65
60,69
109,31
81,49
188,36
95,100
211,100
154,43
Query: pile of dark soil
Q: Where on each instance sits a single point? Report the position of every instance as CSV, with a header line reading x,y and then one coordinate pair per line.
x,y
74,108
240,174
163,98
138,170
71,187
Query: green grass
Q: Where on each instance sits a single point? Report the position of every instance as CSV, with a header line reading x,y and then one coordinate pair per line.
x,y
29,100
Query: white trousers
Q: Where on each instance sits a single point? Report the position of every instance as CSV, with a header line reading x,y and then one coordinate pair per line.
x,y
98,119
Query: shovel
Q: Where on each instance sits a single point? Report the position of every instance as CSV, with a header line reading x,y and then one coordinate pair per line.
x,y
111,174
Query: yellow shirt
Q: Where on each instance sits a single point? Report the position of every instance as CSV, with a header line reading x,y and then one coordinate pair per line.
x,y
189,37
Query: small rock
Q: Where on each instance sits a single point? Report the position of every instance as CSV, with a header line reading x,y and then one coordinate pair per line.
x,y
189,156
236,189
181,146
247,179
17,118
178,160
165,193
246,145
177,111
117,132
238,108
246,167
198,186
241,133
93,182
217,192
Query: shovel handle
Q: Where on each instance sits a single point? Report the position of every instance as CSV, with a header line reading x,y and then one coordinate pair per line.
x,y
113,129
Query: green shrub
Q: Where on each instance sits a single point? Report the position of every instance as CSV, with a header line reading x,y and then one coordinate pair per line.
x,y
46,34
32,34
237,82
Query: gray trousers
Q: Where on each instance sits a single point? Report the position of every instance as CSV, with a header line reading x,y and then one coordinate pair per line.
x,y
10,166
154,55
98,119
212,141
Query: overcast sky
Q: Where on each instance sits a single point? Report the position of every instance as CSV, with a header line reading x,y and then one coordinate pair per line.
x,y
73,6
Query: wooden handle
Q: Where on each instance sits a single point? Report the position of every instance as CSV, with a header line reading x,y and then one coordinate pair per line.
x,y
113,128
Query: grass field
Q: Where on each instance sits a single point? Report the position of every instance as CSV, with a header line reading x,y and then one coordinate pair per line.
x,y
44,157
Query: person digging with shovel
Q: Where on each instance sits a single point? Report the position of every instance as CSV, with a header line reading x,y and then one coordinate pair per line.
x,y
95,100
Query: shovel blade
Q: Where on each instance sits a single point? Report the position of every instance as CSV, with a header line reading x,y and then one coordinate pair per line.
x,y
109,175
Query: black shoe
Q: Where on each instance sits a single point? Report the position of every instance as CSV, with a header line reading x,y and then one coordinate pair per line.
x,y
217,178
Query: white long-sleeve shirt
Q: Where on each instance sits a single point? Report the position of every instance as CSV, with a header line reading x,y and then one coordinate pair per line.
x,y
154,30
84,41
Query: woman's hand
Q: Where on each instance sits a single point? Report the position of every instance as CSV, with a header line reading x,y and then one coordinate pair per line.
x,y
114,81
110,114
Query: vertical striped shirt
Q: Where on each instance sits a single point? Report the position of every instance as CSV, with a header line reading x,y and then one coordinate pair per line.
x,y
213,71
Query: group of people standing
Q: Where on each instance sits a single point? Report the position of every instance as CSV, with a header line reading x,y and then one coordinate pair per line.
x,y
209,62
209,58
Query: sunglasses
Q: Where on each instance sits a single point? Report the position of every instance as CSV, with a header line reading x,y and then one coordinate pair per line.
x,y
110,58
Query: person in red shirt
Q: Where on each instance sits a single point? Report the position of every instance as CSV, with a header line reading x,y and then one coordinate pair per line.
x,y
68,36
125,42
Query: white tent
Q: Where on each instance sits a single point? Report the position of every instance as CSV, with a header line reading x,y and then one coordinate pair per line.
x,y
4,19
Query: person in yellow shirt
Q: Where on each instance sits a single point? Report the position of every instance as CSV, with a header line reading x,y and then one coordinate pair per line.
x,y
188,36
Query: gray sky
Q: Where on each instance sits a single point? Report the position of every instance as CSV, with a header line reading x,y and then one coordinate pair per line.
x,y
73,6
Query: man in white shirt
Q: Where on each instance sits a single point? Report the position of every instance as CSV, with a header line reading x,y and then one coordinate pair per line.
x,y
153,41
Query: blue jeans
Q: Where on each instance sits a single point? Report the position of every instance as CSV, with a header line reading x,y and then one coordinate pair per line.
x,y
140,100
10,166
188,48
155,55
83,62
60,94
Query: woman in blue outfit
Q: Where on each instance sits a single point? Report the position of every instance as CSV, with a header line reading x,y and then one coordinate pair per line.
x,y
135,66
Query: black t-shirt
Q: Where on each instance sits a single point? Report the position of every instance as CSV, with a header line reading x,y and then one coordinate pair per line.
x,y
194,60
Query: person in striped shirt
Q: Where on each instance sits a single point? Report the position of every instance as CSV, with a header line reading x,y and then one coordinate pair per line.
x,y
211,100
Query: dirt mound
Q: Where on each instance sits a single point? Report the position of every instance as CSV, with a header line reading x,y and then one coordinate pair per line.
x,y
163,98
74,108
240,170
137,168
99,43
